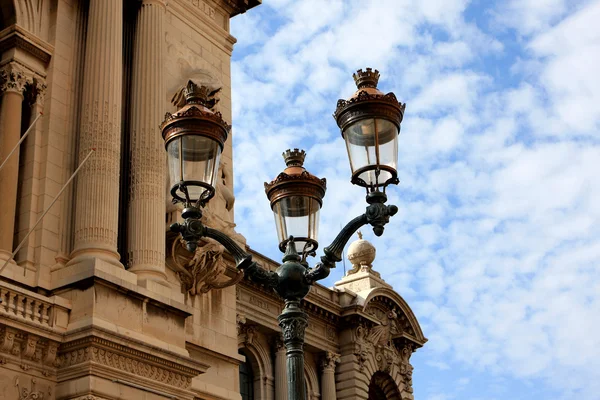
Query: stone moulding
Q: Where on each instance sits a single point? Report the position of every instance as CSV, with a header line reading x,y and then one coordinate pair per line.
x,y
102,352
16,37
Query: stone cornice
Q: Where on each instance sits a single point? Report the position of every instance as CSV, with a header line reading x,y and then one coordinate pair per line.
x,y
191,12
16,37
235,7
116,358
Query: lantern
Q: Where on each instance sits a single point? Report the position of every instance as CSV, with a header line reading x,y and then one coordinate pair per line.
x,y
370,125
194,138
296,198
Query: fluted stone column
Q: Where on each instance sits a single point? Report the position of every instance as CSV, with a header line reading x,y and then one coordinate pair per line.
x,y
97,195
328,376
12,85
281,385
146,237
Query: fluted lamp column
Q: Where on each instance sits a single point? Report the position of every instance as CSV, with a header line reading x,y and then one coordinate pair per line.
x,y
146,238
12,85
328,376
97,196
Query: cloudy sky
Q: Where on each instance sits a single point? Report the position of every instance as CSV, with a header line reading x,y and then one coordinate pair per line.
x,y
497,242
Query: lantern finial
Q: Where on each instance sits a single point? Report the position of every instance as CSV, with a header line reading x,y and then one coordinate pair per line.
x,y
365,79
294,158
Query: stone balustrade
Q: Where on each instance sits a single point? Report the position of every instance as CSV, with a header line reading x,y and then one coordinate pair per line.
x,y
31,308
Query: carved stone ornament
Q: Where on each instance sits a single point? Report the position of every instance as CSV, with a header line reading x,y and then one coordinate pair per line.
x,y
248,332
12,79
240,320
330,360
278,344
28,394
379,343
383,334
293,329
127,360
203,270
35,92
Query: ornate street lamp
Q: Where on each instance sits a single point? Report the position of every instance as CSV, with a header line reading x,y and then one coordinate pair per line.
x,y
370,123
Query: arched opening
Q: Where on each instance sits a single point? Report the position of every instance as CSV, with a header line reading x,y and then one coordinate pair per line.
x,y
246,378
383,387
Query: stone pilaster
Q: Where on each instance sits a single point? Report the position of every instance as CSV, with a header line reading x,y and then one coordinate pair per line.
x,y
328,376
12,85
281,386
97,196
146,238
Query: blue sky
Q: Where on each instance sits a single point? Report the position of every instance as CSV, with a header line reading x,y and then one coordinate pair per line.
x,y
497,241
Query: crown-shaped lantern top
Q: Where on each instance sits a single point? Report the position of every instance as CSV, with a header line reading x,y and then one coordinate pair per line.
x,y
294,158
200,94
365,79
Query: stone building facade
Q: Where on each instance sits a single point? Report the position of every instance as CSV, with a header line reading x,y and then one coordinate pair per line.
x,y
101,302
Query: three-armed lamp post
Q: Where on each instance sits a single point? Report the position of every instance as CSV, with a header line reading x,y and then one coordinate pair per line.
x,y
194,138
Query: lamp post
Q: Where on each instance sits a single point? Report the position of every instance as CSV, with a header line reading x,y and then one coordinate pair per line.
x,y
370,124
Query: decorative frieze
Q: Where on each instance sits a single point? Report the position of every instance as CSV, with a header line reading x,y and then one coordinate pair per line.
x,y
27,350
126,359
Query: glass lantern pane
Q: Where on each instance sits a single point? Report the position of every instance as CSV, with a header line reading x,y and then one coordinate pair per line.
x,y
362,139
193,158
297,216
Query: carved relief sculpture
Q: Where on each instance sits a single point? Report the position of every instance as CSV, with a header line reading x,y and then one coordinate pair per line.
x,y
203,270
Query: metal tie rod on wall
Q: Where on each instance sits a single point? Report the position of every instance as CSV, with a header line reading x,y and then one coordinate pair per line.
x,y
46,211
21,141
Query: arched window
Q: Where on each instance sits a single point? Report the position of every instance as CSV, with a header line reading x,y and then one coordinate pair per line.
x,y
246,378
383,387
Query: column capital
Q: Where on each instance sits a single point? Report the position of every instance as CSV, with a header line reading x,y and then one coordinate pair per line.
x,y
330,359
12,79
35,92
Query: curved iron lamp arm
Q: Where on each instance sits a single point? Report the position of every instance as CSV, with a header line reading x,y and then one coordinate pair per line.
x,y
377,215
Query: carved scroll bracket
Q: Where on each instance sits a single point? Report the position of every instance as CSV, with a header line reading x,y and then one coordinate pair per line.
x,y
203,270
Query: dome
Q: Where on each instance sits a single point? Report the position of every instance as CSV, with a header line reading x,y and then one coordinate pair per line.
x,y
361,252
